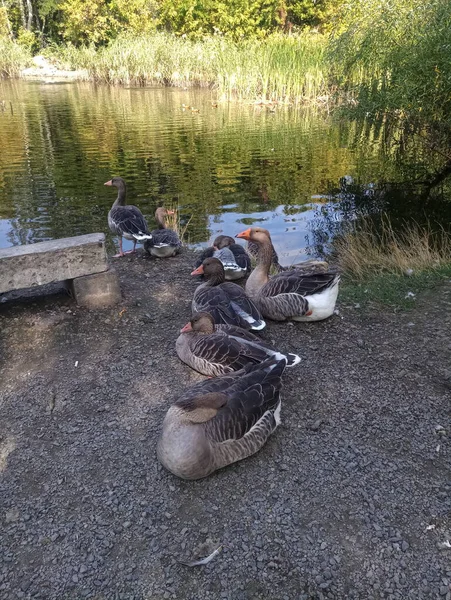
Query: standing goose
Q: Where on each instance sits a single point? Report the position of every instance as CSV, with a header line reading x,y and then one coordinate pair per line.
x,y
234,257
165,242
220,421
219,349
226,302
292,294
126,220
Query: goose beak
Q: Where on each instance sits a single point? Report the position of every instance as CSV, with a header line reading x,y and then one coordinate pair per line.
x,y
186,328
198,271
110,182
245,235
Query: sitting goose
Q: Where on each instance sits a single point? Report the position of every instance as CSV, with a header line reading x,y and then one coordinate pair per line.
x,y
126,220
292,294
220,421
165,242
234,257
226,302
219,349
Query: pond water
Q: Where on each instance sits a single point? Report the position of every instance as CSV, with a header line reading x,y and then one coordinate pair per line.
x,y
227,166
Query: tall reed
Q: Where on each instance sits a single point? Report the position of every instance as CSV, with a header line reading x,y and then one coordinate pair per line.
x,y
368,249
13,57
277,69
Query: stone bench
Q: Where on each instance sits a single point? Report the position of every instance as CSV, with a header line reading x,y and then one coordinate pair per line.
x,y
81,261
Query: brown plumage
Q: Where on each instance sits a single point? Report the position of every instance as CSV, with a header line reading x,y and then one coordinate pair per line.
x,y
219,349
292,294
225,301
222,420
165,242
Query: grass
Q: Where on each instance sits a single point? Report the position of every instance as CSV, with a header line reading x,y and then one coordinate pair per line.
x,y
13,58
389,289
279,69
389,267
173,222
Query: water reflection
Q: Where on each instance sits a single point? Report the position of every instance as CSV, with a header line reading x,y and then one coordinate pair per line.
x,y
225,167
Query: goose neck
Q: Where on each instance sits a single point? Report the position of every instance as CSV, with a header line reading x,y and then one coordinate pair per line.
x,y
259,275
121,193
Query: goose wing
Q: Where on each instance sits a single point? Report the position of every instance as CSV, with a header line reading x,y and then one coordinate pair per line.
x,y
250,340
128,219
226,256
295,282
248,398
215,301
241,256
225,350
165,237
243,306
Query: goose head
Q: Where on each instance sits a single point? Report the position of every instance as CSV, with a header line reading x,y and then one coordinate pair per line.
x,y
211,268
116,182
255,234
200,323
223,241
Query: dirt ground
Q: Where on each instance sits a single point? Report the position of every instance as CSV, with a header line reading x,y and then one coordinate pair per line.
x,y
350,498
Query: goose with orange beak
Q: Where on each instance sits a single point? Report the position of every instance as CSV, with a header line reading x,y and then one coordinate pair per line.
x,y
225,301
165,242
215,350
291,295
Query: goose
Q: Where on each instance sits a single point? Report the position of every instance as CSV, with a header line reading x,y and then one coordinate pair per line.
x,y
226,302
219,349
221,421
165,242
236,261
292,294
126,220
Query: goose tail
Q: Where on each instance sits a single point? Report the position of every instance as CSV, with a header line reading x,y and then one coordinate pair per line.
x,y
142,237
257,325
292,359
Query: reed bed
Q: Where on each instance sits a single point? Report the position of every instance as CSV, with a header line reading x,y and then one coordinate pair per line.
x,y
282,69
368,250
13,58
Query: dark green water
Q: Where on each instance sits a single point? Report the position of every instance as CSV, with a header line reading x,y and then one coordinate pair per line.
x,y
225,167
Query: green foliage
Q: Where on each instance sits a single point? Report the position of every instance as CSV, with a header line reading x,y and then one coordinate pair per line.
x,y
27,39
394,56
97,22
232,18
313,13
87,22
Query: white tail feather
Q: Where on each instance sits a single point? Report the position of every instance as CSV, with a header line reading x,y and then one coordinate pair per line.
x,y
142,237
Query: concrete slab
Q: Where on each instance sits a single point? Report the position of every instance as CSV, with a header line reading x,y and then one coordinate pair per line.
x,y
57,260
